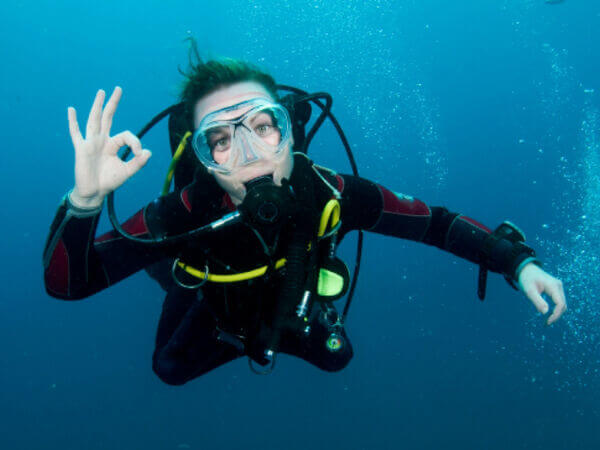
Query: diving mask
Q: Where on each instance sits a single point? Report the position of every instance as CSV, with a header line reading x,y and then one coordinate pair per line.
x,y
241,134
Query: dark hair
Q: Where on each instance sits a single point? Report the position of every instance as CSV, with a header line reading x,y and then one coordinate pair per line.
x,y
202,78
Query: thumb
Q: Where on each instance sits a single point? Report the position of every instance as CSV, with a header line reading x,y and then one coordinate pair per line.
x,y
537,300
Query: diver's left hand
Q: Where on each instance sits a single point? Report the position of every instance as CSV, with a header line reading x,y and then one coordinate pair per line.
x,y
533,282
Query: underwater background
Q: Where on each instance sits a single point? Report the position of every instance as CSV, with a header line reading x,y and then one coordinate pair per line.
x,y
490,108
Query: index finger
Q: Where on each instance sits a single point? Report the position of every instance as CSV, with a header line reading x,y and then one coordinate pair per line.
x,y
76,137
110,108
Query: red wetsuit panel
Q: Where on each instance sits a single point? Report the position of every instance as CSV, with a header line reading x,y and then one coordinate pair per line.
x,y
135,226
57,275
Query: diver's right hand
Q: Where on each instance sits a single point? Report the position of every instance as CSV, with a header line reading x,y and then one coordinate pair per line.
x,y
98,168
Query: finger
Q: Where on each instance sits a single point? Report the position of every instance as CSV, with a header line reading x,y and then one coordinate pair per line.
x,y
125,138
93,123
109,110
537,300
138,161
557,294
76,137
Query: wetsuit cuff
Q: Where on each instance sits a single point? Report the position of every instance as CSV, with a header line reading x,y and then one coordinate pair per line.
x,y
77,211
519,265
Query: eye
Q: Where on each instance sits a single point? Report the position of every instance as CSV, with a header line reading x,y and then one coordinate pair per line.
x,y
263,130
219,145
263,123
218,139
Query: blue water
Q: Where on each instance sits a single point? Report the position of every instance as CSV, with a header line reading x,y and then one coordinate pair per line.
x,y
489,108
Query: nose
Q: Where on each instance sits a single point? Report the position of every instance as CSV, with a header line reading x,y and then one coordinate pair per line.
x,y
247,152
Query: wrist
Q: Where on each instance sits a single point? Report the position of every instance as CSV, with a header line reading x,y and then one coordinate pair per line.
x,y
522,265
84,203
522,261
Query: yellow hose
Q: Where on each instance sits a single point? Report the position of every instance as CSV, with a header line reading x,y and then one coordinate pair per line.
x,y
174,161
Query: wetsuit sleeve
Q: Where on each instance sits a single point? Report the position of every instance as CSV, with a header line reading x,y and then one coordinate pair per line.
x,y
372,207
76,265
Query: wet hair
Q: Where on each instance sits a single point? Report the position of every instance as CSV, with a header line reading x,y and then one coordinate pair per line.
x,y
202,78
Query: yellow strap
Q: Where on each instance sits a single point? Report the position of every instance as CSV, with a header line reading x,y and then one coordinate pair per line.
x,y
174,161
230,278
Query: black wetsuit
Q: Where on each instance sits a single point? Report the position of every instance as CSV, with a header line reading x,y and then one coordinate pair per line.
x,y
193,321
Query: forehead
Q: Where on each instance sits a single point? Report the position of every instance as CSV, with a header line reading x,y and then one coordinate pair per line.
x,y
228,96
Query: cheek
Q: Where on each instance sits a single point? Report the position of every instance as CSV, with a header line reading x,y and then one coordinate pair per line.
x,y
273,139
231,185
221,157
285,165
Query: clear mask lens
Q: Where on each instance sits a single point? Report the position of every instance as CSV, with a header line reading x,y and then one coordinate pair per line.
x,y
225,140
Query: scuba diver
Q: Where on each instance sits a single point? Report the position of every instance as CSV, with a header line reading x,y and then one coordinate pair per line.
x,y
245,243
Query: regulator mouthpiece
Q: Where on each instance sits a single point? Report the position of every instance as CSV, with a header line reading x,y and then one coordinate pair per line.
x,y
266,204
